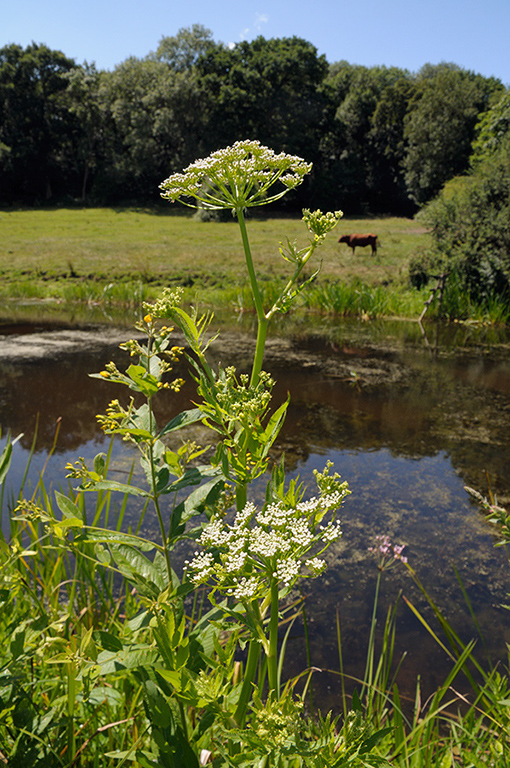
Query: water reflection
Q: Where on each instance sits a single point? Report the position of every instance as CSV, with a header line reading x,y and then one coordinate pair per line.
x,y
407,424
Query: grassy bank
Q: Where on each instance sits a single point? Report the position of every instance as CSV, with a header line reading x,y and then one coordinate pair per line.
x,y
103,254
116,258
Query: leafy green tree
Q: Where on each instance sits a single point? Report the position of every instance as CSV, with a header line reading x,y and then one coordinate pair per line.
x,y
492,129
356,169
388,146
182,51
35,124
153,125
266,90
83,98
440,126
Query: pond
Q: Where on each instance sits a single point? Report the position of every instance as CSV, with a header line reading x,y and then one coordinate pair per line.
x,y
408,415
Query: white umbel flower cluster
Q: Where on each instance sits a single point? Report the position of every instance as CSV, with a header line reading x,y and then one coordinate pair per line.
x,y
244,557
236,177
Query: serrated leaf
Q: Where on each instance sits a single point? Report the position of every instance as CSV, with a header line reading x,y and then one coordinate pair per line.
x,y
174,677
127,658
192,476
138,567
70,522
141,380
274,425
160,712
195,502
107,641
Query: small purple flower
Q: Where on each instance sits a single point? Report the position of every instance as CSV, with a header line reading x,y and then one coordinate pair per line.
x,y
387,553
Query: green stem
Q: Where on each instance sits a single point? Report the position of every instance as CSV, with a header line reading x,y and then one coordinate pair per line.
x,y
259,350
290,283
241,496
272,659
155,499
247,687
155,495
369,666
257,299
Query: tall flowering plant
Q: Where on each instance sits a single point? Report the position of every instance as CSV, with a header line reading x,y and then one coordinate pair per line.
x,y
239,177
249,556
248,175
259,555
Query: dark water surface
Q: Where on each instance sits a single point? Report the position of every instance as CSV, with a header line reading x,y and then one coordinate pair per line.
x,y
408,416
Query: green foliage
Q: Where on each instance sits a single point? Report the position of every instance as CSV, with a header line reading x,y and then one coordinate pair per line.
x,y
84,101
470,222
182,51
364,147
265,89
108,656
440,126
358,299
380,138
36,129
492,130
151,112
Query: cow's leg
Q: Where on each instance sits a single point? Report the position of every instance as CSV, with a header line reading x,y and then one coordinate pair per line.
x,y
353,249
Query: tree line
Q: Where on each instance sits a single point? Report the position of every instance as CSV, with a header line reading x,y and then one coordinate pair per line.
x,y
382,139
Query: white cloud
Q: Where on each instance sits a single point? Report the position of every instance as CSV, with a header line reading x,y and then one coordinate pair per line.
x,y
259,21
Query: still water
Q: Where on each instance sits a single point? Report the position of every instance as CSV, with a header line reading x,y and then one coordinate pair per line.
x,y
409,416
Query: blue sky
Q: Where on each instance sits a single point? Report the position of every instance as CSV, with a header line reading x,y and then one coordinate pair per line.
x,y
407,33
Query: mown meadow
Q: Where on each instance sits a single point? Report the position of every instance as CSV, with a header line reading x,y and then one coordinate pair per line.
x,y
116,258
111,255
112,656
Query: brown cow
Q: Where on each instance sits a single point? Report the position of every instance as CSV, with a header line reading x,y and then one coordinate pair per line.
x,y
361,240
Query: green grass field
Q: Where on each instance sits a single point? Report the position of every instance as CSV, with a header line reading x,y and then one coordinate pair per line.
x,y
46,248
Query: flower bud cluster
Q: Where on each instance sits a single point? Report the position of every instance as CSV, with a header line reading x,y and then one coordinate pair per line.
x,y
240,400
165,304
243,557
319,224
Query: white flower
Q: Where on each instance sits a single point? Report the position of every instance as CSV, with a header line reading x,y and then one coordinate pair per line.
x,y
300,532
307,507
274,515
272,543
316,565
268,544
245,588
236,177
214,535
287,571
202,565
331,532
234,560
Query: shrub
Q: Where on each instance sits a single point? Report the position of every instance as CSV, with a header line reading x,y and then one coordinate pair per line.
x,y
470,223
